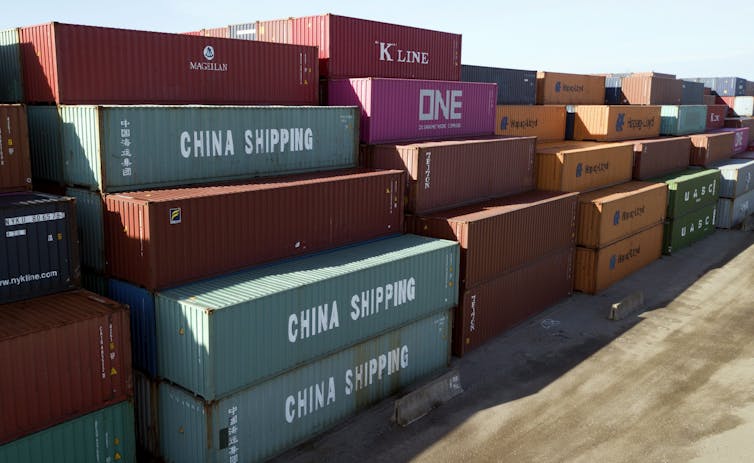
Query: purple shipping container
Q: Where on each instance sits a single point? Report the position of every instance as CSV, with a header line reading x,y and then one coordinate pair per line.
x,y
413,110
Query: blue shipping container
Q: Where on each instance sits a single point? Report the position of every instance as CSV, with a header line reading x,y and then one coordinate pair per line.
x,y
143,337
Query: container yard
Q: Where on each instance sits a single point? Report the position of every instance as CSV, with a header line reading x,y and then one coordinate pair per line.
x,y
330,238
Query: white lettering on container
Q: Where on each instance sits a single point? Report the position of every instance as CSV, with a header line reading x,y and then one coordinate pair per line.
x,y
375,369
391,295
309,399
313,321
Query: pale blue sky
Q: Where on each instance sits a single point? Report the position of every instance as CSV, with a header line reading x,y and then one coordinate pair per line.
x,y
686,38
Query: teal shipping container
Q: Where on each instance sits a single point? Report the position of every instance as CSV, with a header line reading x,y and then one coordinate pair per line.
x,y
221,335
689,228
691,189
126,148
736,177
106,435
262,421
11,87
45,148
731,212
89,210
683,119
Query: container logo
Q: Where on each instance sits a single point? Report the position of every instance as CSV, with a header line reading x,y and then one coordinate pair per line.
x,y
579,168
612,262
504,123
209,53
557,87
175,215
208,65
401,56
616,218
620,121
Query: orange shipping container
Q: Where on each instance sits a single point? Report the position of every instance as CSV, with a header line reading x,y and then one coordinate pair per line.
x,y
596,269
615,122
560,88
706,148
649,89
611,214
546,122
583,166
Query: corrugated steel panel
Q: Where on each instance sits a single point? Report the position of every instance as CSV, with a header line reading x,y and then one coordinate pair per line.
x,y
683,120
413,110
40,246
146,416
597,269
653,74
11,87
490,308
121,148
143,324
740,137
651,90
277,30
546,122
740,106
72,64
106,435
159,239
499,235
91,227
447,174
582,166
70,354
613,91
244,31
264,420
691,190
688,229
220,32
749,88
731,212
660,156
560,88
710,99
45,145
736,122
611,214
95,282
218,336
723,86
15,163
709,148
716,114
692,92
613,123
514,86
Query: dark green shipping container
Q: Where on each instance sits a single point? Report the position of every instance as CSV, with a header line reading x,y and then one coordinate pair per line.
x,y
688,229
11,87
690,190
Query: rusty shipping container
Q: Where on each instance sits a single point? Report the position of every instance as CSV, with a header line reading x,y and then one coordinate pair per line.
x,y
708,148
651,90
69,354
582,166
15,163
159,239
611,214
716,114
546,122
597,269
660,156
561,88
488,309
613,123
445,174
737,122
352,47
499,235
72,64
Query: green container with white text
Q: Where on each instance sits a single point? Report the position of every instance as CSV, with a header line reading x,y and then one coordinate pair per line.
x,y
689,228
690,190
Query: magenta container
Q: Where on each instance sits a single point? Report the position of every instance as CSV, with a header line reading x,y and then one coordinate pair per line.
x,y
413,110
741,140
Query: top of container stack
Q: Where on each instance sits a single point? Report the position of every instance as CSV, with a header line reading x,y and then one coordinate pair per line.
x,y
351,47
723,86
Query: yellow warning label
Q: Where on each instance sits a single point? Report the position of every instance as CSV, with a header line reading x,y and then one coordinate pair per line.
x,y
117,456
116,441
10,142
113,371
112,346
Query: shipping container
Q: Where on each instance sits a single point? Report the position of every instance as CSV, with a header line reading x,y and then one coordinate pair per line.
x,y
41,253
69,355
660,156
146,416
582,166
106,435
413,110
716,114
731,212
691,190
683,120
651,90
692,92
219,32
614,91
351,47
143,323
711,100
159,239
445,174
653,74
611,214
514,86
264,420
749,88
95,282
11,87
123,148
499,235
488,309
597,269
737,122
15,163
613,123
708,148
546,122
560,88
739,106
686,230
740,139
244,31
72,64
91,228
45,145
723,86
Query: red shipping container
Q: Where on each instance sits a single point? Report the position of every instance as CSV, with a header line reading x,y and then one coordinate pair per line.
x,y
71,64
15,164
62,356
500,235
412,110
736,122
716,116
351,47
708,148
660,156
447,174
489,309
740,140
159,239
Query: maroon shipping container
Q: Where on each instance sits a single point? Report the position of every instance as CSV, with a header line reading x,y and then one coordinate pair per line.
x,y
707,148
15,164
716,116
499,235
159,239
71,64
651,89
62,356
488,309
660,156
740,137
445,174
736,122
351,47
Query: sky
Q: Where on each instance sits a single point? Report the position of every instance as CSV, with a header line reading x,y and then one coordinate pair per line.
x,y
689,38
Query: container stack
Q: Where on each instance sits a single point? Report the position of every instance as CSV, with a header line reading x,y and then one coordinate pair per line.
x,y
736,196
